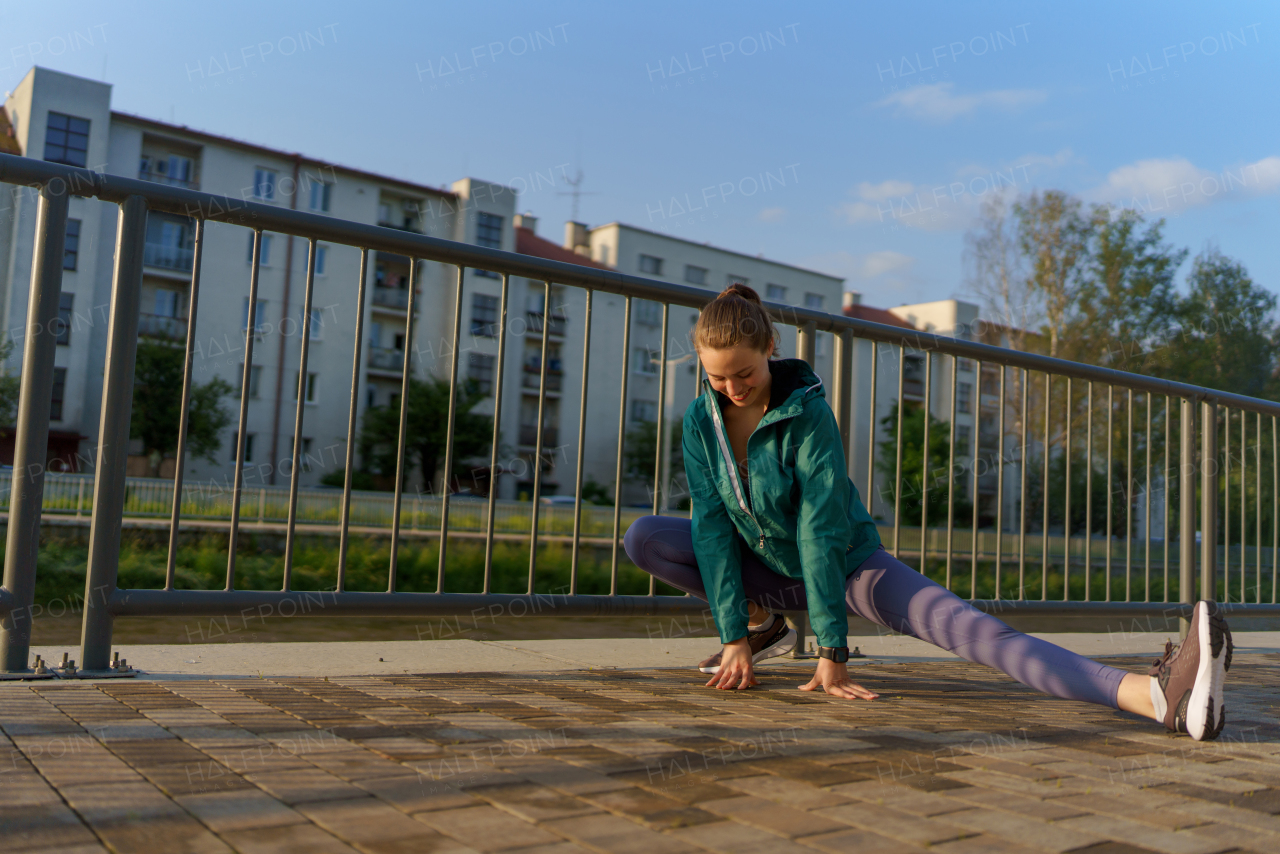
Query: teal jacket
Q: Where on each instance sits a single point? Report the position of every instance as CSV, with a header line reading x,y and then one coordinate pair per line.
x,y
800,513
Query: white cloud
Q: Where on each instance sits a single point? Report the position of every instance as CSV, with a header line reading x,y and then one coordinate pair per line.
x,y
885,190
772,215
936,103
862,268
1175,183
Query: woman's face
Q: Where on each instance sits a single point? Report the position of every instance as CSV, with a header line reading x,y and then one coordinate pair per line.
x,y
741,373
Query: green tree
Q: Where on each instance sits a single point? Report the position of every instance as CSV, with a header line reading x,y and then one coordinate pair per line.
x,y
913,474
9,386
425,430
157,406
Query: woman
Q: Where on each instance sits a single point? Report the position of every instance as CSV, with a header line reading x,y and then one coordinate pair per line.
x,y
777,524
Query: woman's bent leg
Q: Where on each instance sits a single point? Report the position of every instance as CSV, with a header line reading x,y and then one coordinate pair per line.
x,y
890,593
663,547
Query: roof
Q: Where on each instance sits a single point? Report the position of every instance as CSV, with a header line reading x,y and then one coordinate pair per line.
x,y
718,249
876,315
528,243
8,142
251,146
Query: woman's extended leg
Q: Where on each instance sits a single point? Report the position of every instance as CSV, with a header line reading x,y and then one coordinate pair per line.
x,y
887,591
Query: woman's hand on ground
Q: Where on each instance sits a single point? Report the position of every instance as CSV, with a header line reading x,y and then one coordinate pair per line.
x,y
833,678
735,667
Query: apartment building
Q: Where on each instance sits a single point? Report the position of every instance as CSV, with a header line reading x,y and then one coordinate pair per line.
x,y
68,119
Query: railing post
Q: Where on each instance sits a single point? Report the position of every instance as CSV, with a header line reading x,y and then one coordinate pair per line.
x,y
806,336
32,440
842,379
1186,511
113,436
1209,502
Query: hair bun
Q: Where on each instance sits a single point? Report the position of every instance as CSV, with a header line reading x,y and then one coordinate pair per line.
x,y
738,289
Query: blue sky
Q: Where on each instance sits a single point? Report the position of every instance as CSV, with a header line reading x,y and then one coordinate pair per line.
x,y
851,139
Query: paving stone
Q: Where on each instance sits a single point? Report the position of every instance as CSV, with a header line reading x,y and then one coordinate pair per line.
x,y
730,837
487,828
604,832
773,817
27,828
373,826
533,803
289,839
411,794
1021,829
240,810
303,786
894,823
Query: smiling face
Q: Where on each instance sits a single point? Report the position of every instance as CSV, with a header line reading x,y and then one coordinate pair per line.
x,y
741,373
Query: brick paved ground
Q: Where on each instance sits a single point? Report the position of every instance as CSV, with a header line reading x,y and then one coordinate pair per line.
x,y
953,757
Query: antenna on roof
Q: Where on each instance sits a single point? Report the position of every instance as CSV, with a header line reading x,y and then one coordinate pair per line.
x,y
576,192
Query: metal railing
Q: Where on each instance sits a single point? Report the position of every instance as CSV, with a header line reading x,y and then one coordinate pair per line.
x,y
1065,393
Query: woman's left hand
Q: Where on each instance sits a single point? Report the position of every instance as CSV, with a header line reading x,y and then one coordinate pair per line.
x,y
833,678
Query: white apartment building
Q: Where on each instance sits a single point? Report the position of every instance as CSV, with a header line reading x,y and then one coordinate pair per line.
x,y
68,119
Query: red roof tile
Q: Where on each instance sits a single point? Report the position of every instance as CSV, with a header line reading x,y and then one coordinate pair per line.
x,y
876,315
528,243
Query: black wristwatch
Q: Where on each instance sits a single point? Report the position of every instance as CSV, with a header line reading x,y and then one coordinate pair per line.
x,y
838,654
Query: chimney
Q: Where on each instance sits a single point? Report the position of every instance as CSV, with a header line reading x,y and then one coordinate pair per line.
x,y
526,220
852,298
575,238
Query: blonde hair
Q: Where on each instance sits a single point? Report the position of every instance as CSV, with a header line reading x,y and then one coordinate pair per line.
x,y
735,317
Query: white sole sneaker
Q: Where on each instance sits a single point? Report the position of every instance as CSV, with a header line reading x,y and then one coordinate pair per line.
x,y
1191,676
782,644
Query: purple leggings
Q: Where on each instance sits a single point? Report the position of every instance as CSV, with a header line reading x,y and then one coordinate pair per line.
x,y
888,592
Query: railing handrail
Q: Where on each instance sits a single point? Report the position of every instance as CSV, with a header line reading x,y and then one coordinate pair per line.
x,y
27,171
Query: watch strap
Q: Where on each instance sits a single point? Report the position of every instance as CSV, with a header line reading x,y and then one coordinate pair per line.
x,y
838,654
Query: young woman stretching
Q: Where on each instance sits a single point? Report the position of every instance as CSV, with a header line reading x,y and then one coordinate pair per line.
x,y
777,524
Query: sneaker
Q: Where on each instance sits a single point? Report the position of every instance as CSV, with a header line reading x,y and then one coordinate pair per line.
x,y
770,640
1187,686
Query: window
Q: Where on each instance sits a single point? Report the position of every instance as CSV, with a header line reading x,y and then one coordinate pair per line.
x,y
484,315
59,392
480,371
255,381
66,140
317,323
775,293
643,411
266,250
321,252
63,323
304,459
371,398
651,265
647,312
259,314
991,381
813,301
964,438
965,365
732,279
248,446
964,397
321,192
695,274
71,249
313,380
488,235
644,361
166,303
264,184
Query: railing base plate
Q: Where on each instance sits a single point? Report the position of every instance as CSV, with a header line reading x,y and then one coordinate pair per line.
x,y
19,676
104,674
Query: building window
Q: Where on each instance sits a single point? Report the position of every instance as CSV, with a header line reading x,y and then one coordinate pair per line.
x,y
489,230
259,314
651,265
317,323
321,192
63,329
775,293
991,381
480,372
813,301
59,393
66,140
304,459
964,436
313,380
647,312
644,411
645,361
321,256
266,250
264,184
964,397
71,249
167,303
695,275
965,365
255,381
248,446
484,315
731,279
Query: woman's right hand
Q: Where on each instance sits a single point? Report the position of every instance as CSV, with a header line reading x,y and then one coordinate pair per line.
x,y
735,667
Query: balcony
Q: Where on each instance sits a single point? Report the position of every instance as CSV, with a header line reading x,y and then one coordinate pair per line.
x,y
176,258
532,378
555,327
529,436
161,178
161,326
386,359
397,298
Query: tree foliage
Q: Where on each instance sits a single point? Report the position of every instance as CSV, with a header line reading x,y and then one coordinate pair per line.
x,y
157,406
913,468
